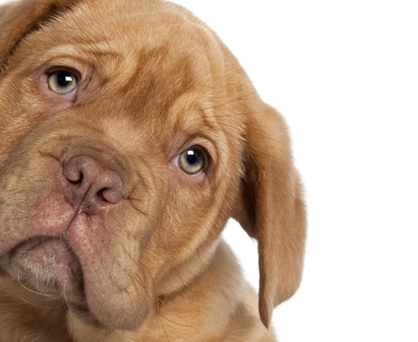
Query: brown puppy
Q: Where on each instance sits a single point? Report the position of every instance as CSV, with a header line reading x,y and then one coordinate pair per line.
x,y
129,135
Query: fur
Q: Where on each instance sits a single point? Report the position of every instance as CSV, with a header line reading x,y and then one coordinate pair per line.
x,y
138,255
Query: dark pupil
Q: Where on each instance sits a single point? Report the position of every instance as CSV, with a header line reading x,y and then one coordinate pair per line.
x,y
192,157
64,80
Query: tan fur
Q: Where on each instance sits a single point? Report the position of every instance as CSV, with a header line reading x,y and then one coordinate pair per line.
x,y
150,266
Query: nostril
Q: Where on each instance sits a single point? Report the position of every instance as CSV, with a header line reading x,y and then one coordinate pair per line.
x,y
100,196
74,173
111,195
77,181
90,183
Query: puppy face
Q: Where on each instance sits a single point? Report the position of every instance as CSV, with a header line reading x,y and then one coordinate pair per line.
x,y
129,135
116,164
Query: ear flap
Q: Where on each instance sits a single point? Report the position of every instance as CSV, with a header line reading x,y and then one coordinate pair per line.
x,y
20,18
271,208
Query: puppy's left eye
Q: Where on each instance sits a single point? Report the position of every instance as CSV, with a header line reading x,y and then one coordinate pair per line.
x,y
62,82
191,161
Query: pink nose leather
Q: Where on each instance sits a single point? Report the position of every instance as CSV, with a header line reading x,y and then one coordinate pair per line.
x,y
91,185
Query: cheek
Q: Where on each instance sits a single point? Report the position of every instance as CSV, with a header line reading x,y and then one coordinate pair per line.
x,y
186,224
190,197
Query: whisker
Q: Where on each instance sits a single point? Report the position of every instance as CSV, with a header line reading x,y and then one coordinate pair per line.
x,y
165,331
52,297
131,199
107,335
167,261
134,280
38,306
176,323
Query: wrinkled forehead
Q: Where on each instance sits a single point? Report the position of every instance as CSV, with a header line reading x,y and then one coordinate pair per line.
x,y
130,40
154,49
150,64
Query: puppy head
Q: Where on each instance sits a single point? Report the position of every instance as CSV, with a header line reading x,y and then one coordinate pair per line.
x,y
130,135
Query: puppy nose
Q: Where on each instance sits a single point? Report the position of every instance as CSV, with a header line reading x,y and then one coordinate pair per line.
x,y
91,184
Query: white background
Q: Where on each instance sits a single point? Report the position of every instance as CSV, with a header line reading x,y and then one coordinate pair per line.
x,y
345,76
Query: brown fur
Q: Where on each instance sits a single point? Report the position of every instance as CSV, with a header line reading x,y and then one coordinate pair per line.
x,y
153,81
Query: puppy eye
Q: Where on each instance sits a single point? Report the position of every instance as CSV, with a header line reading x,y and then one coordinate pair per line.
x,y
191,161
62,82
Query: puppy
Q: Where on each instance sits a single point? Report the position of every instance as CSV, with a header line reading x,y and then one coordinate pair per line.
x,y
129,136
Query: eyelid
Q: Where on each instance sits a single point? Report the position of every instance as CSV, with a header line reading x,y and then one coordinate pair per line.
x,y
57,67
69,95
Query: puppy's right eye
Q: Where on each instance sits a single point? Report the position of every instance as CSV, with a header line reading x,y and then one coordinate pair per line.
x,y
62,82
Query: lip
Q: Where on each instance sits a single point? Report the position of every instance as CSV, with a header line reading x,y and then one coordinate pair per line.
x,y
48,266
32,243
45,255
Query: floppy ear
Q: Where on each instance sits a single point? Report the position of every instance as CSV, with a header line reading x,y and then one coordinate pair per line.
x,y
271,208
20,18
